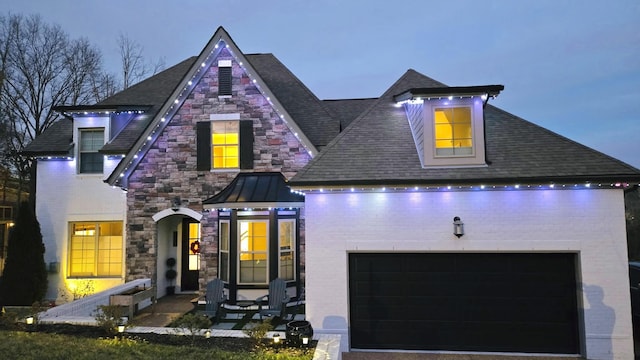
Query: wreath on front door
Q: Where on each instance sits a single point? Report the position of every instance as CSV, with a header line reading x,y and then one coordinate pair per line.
x,y
195,247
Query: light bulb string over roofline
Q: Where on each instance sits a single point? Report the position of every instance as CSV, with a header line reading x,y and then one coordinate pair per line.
x,y
179,99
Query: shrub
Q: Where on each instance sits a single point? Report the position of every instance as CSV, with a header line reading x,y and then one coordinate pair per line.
x,y
108,318
25,274
258,331
193,324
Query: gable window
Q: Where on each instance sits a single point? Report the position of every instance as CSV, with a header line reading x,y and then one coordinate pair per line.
x,y
91,161
95,249
225,143
453,131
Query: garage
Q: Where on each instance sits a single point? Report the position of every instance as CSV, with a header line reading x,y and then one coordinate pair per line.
x,y
505,302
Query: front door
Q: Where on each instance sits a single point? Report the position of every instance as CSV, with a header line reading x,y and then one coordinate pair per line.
x,y
190,255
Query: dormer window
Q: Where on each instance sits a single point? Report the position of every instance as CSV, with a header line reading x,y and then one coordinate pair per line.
x,y
448,123
91,161
453,131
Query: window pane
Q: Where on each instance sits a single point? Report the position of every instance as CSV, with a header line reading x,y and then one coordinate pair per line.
x,y
224,266
286,265
225,141
287,249
253,271
453,131
224,236
253,244
95,249
91,140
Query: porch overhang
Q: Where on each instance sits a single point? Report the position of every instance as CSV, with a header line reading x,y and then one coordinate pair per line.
x,y
256,190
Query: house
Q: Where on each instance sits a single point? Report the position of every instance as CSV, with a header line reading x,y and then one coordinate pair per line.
x,y
190,164
425,219
438,222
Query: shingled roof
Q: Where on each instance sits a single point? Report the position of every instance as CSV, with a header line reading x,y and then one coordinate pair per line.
x,y
378,148
347,110
315,121
57,140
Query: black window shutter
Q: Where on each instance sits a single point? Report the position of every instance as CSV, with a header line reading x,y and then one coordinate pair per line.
x,y
224,80
203,145
246,144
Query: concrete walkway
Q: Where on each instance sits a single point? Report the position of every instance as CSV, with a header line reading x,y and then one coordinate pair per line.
x,y
164,311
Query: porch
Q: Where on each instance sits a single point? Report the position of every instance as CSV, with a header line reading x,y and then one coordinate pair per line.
x,y
233,317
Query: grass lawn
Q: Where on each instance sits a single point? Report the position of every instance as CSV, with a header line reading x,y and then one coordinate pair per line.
x,y
43,345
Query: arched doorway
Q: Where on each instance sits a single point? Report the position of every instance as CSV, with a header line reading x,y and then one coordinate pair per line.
x,y
177,230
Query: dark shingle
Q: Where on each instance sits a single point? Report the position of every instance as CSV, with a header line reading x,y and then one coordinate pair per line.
x,y
347,110
303,106
153,91
55,140
378,148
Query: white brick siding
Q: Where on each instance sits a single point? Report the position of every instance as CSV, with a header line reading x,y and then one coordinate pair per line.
x,y
590,223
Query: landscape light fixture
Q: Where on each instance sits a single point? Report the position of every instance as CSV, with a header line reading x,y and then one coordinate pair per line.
x,y
276,339
458,227
29,320
207,334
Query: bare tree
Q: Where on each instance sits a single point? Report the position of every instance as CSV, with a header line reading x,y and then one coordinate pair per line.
x,y
134,66
42,68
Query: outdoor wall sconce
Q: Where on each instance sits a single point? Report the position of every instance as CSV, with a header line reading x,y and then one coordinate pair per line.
x,y
175,203
458,227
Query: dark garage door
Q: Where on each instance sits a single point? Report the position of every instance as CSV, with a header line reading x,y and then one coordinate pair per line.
x,y
504,302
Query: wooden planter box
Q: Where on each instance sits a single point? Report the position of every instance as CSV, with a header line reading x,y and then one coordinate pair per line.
x,y
131,298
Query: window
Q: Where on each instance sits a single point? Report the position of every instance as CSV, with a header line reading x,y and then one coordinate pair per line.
x,y
95,249
225,144
194,246
453,131
223,274
287,238
253,236
90,159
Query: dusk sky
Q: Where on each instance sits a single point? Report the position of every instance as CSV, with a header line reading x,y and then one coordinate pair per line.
x,y
570,66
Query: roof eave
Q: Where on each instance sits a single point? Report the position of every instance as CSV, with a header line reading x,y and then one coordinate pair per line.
x,y
593,179
253,205
488,90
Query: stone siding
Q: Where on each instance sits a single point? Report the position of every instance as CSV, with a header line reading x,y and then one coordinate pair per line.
x,y
168,170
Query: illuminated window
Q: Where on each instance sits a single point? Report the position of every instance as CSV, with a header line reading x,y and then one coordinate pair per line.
x,y
225,144
253,236
90,159
287,237
453,131
194,246
95,249
223,274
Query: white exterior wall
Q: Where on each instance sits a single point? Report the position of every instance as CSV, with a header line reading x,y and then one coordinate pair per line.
x,y
64,196
590,223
